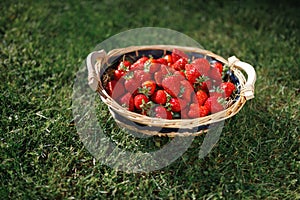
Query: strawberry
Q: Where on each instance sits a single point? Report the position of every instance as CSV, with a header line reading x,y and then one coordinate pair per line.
x,y
181,74
194,111
118,90
177,54
172,85
159,97
162,112
228,88
162,61
151,67
148,88
186,90
216,91
174,105
159,75
140,101
202,65
139,64
119,74
202,83
215,76
124,65
201,97
127,101
142,76
110,87
183,103
180,64
184,113
203,111
168,58
215,104
131,85
219,66
191,73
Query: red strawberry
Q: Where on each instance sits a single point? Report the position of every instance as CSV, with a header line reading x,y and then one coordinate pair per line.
x,y
181,74
215,104
184,113
127,101
203,111
139,63
168,58
162,112
110,87
162,61
142,76
124,65
159,75
215,76
202,83
216,91
186,90
174,104
148,88
183,103
191,73
180,64
159,97
118,89
140,101
194,111
118,74
202,65
172,85
228,88
219,66
201,97
131,85
177,54
151,67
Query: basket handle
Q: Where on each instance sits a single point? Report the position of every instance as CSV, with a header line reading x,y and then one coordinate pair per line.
x,y
93,78
249,85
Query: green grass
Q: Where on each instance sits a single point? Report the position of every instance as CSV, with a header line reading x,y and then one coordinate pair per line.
x,y
43,45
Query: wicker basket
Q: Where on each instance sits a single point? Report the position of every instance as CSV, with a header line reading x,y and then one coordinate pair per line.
x,y
99,62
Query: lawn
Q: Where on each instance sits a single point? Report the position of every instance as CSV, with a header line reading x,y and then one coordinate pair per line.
x,y
44,44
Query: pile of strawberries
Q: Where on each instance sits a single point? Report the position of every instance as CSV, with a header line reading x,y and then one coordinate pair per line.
x,y
170,87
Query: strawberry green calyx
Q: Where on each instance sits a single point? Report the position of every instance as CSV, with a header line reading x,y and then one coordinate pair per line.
x,y
123,67
144,90
168,97
147,65
182,90
129,75
216,89
222,101
168,106
147,108
202,79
